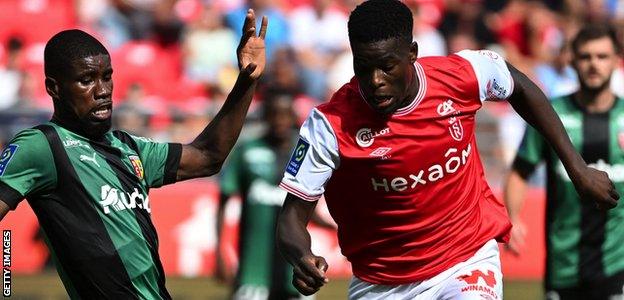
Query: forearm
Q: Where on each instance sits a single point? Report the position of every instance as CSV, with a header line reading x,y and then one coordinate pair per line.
x,y
533,106
514,194
216,140
293,238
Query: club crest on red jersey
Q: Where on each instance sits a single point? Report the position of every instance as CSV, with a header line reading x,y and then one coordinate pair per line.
x,y
456,129
137,165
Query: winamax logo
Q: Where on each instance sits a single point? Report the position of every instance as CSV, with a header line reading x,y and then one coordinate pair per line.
x,y
454,160
116,200
475,280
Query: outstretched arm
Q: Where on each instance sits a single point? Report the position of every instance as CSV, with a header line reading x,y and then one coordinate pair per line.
x,y
293,240
206,154
533,106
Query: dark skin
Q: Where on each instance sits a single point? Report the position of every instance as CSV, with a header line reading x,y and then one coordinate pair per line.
x,y
82,103
385,72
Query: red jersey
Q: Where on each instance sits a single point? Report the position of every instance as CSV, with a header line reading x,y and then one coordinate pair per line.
x,y
408,191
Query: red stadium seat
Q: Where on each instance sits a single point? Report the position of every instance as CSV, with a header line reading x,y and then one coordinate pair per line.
x,y
35,20
145,63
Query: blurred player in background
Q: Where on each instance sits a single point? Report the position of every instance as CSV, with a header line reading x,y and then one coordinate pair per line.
x,y
254,171
394,153
89,186
585,253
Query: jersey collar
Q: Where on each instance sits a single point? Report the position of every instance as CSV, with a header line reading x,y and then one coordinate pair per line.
x,y
422,90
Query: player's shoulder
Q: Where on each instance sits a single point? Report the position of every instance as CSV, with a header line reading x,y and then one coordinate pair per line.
x,y
30,137
24,147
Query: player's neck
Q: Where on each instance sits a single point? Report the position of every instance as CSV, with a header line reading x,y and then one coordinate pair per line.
x,y
412,89
595,101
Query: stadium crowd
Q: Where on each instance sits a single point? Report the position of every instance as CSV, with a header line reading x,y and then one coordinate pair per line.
x,y
189,45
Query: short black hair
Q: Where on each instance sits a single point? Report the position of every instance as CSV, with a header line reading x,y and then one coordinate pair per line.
x,y
594,31
67,46
377,20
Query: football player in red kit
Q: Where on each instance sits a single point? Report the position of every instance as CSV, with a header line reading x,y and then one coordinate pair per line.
x,y
394,153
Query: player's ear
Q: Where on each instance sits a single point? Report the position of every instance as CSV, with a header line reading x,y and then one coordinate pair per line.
x,y
52,87
413,52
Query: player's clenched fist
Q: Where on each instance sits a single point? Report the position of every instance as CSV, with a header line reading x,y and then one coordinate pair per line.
x,y
309,274
594,185
251,49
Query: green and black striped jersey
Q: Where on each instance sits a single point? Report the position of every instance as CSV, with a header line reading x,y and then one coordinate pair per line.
x,y
583,244
91,200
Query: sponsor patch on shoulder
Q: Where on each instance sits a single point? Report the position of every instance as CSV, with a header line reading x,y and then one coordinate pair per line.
x,y
6,156
297,157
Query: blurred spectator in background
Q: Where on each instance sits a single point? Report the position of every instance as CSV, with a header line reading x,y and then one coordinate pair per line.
x,y
279,31
125,20
133,115
10,74
556,76
425,34
208,46
318,35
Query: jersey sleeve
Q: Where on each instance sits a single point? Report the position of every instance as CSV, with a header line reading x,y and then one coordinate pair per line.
x,y
229,182
26,167
313,160
530,153
493,76
160,160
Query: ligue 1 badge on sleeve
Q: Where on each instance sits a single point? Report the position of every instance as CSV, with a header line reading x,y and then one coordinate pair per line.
x,y
6,156
137,165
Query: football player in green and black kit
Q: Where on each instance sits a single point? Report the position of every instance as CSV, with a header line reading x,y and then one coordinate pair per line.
x,y
89,186
585,253
253,171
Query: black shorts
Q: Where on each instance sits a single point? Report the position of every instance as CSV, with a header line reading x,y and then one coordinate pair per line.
x,y
605,289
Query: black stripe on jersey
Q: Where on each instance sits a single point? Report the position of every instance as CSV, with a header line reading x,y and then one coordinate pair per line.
x,y
593,221
78,235
10,196
129,181
552,204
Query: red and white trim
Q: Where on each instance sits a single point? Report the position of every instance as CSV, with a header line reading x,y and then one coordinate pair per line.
x,y
422,90
298,193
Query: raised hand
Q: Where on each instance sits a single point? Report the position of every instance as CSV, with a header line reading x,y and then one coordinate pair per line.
x,y
309,274
251,50
594,185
